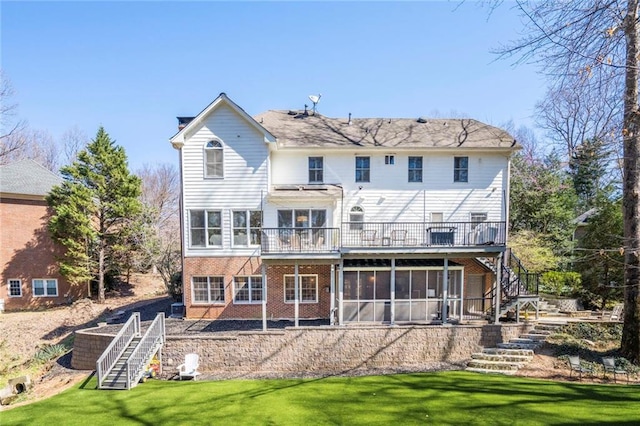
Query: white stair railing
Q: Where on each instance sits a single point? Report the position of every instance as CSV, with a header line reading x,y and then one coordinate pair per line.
x,y
151,341
110,356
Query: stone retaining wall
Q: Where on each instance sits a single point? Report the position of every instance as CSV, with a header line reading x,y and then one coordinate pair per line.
x,y
88,345
318,350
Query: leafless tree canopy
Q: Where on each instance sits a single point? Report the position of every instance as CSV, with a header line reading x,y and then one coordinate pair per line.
x,y
590,50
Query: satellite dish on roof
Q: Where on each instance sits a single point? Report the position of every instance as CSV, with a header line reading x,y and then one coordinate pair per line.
x,y
315,99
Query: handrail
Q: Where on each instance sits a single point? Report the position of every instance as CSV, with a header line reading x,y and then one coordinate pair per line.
x,y
152,339
110,356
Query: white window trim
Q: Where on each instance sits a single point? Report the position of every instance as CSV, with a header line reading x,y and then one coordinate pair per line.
x,y
19,281
44,282
247,228
284,284
205,159
460,168
208,301
251,288
207,243
409,169
315,169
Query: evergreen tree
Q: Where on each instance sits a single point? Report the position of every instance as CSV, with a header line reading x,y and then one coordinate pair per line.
x,y
542,200
588,169
93,211
599,255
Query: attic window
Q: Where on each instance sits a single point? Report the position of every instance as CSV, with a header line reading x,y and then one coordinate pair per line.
x,y
214,159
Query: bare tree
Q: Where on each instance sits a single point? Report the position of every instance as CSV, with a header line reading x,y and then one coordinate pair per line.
x,y
9,126
37,145
592,47
160,195
73,141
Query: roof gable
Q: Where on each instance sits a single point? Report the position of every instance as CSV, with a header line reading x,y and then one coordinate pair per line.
x,y
178,139
26,177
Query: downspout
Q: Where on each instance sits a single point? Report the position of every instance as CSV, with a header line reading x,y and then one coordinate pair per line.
x,y
182,232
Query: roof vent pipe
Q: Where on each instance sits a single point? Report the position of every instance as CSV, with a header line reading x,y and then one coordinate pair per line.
x,y
349,123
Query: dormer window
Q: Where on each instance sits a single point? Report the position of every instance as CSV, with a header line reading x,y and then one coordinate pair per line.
x,y
214,159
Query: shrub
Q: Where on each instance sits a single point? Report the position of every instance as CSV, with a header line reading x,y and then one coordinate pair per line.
x,y
560,283
49,352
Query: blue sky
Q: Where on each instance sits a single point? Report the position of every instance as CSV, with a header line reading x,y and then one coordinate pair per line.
x,y
132,67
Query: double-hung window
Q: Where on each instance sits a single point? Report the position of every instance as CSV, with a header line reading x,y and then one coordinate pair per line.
x,y
415,169
356,218
246,227
205,228
316,167
307,288
363,169
45,287
247,289
214,159
477,218
15,288
460,169
208,289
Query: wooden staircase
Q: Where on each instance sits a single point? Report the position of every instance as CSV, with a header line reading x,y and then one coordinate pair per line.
x,y
124,362
509,357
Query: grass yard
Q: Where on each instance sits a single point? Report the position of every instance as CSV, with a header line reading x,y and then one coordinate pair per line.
x,y
443,398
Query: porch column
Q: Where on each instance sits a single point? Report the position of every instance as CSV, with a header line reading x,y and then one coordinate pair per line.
x,y
341,293
332,307
393,291
264,297
445,291
498,284
296,295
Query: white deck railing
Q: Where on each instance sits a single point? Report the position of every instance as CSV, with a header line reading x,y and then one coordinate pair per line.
x,y
110,356
149,344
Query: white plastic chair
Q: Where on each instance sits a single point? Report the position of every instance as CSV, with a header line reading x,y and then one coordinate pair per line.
x,y
190,367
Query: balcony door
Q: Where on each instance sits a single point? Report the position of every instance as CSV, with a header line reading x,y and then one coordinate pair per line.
x,y
304,227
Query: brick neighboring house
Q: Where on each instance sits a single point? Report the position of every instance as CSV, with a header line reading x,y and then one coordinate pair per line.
x,y
294,215
30,275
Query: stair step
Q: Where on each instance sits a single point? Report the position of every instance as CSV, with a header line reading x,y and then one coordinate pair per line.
x,y
505,351
511,345
521,359
494,365
534,337
488,371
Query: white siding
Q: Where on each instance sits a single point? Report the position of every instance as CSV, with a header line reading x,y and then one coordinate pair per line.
x,y
245,179
390,197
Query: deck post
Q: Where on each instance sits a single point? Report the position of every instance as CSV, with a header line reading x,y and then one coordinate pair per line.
x,y
445,291
332,306
393,292
341,293
264,297
496,319
296,295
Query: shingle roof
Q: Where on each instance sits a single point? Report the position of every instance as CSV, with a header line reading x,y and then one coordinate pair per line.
x,y
295,129
27,177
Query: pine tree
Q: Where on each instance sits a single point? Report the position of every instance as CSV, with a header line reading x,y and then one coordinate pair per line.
x,y
93,210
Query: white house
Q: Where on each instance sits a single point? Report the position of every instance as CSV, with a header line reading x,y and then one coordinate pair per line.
x,y
294,215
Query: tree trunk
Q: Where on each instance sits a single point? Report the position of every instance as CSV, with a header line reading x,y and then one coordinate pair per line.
x,y
101,296
630,345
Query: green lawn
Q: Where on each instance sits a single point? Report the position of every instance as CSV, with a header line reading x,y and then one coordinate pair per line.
x,y
444,398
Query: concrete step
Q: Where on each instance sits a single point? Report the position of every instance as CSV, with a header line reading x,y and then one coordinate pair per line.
x,y
487,371
502,351
519,359
534,337
495,365
542,332
512,345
